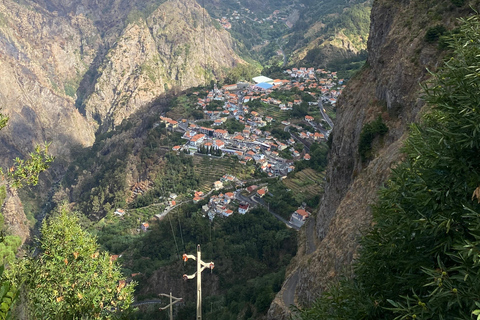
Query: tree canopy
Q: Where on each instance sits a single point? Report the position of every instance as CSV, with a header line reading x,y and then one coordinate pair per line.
x,y
72,278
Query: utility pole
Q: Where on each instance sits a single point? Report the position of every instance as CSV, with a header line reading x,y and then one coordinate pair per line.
x,y
200,267
171,303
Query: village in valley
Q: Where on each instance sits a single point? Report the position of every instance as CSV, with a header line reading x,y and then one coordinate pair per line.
x,y
270,135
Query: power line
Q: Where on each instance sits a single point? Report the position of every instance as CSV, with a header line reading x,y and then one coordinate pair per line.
x,y
174,238
181,233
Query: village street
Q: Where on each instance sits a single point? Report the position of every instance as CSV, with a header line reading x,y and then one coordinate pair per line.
x,y
254,201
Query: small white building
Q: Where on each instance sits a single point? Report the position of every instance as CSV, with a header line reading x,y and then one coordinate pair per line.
x,y
299,217
243,208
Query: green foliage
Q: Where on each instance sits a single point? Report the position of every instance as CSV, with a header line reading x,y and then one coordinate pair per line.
x,y
283,201
420,260
24,172
71,279
458,3
318,160
105,187
27,171
8,248
300,111
177,176
369,132
8,295
434,33
232,126
3,121
215,105
250,253
70,89
241,72
280,134
3,195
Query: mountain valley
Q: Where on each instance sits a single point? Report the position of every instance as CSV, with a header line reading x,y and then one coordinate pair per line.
x,y
272,134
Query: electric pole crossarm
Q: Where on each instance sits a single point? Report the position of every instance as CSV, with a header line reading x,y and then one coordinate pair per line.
x,y
189,277
209,265
200,267
170,305
188,256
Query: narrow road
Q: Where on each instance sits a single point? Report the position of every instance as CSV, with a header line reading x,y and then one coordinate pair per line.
x,y
257,201
289,292
324,114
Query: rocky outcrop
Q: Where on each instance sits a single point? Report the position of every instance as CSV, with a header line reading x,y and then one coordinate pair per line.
x,y
387,86
14,216
42,57
176,46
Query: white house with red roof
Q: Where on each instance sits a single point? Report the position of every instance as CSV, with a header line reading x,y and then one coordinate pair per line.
x,y
299,217
197,139
243,208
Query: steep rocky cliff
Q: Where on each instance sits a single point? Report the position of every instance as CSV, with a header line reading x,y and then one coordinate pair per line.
x,y
177,46
329,31
387,86
42,56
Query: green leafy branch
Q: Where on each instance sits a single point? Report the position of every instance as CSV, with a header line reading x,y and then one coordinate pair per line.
x,y
26,171
3,121
8,294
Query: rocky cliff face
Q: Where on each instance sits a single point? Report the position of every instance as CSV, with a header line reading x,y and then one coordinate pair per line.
x,y
177,46
42,56
330,31
388,86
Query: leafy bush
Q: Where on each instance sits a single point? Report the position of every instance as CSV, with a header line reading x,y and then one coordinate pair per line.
x,y
369,132
71,279
434,33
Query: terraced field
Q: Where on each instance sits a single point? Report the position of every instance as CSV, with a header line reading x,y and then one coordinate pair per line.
x,y
307,182
212,169
276,113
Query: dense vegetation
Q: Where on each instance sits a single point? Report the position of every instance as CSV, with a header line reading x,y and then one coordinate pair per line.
x,y
318,161
250,253
71,278
421,260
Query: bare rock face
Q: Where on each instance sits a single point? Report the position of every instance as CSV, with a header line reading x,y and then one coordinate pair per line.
x,y
388,86
172,48
14,216
42,56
